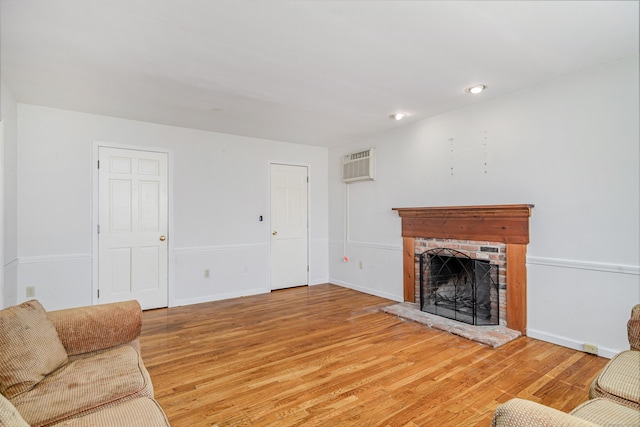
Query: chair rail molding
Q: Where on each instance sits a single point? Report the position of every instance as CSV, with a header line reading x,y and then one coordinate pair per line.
x,y
584,265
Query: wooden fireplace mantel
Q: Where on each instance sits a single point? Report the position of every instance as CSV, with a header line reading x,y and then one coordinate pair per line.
x,y
494,223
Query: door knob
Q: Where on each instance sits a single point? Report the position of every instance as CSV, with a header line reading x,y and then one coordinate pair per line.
x,y
163,238
274,232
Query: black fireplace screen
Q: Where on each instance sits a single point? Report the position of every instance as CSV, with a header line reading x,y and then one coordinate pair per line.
x,y
458,287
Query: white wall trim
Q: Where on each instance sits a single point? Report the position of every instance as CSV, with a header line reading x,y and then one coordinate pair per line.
x,y
2,167
382,246
584,265
219,297
376,292
217,248
11,264
53,258
533,260
569,343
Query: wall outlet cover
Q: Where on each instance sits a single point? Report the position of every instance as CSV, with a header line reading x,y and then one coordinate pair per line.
x,y
591,348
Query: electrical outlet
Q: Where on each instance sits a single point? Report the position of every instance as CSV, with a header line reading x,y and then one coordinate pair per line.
x,y
591,348
31,291
207,273
361,265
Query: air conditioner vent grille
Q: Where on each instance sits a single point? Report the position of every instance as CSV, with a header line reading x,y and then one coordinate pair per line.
x,y
359,166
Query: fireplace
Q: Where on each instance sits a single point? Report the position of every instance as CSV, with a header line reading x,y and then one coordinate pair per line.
x,y
456,286
493,253
499,233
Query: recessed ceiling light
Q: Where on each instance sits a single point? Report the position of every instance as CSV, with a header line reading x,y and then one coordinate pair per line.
x,y
398,116
475,89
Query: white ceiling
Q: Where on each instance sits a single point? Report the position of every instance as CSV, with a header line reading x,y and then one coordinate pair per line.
x,y
310,72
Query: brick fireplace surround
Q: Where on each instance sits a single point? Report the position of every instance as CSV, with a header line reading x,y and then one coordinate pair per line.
x,y
507,224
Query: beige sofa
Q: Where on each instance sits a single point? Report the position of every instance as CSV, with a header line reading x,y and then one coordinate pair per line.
x,y
614,395
74,367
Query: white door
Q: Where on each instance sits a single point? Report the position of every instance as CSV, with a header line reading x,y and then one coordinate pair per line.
x,y
133,223
289,264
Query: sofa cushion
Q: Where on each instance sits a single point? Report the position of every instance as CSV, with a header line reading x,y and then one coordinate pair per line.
x,y
97,327
607,412
619,380
86,385
525,413
141,412
31,348
9,415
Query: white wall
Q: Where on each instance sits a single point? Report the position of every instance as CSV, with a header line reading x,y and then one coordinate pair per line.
x,y
220,187
570,146
8,189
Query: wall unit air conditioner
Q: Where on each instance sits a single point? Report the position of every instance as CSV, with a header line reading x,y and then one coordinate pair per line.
x,y
360,166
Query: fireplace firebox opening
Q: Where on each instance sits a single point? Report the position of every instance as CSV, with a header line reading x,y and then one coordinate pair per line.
x,y
458,287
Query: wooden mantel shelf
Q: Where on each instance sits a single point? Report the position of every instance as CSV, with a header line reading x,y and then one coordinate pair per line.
x,y
494,223
467,211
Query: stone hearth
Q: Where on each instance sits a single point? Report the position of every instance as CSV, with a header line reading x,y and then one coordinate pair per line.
x,y
493,336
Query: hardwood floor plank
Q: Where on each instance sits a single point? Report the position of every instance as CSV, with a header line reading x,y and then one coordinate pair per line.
x,y
326,355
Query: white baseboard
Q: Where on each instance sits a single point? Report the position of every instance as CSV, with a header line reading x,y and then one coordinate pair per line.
x,y
217,297
568,342
376,292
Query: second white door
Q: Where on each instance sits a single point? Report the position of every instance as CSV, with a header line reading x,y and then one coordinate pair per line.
x,y
289,247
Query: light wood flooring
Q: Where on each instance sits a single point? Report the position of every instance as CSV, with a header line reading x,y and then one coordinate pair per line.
x,y
325,355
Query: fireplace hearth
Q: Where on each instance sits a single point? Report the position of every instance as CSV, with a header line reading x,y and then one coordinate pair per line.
x,y
458,287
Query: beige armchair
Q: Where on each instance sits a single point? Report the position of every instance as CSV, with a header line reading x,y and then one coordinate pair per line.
x,y
619,380
614,395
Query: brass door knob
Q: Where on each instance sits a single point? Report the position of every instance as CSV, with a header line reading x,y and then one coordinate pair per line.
x,y
274,232
163,238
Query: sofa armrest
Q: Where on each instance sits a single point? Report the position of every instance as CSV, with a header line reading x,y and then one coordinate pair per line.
x,y
633,328
525,413
92,328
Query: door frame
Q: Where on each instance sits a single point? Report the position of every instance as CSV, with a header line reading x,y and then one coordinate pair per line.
x,y
268,230
95,155
2,211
